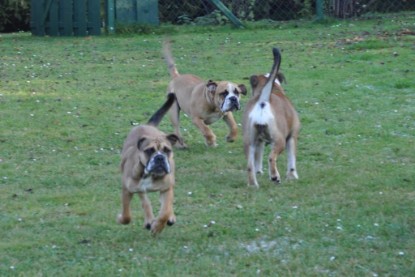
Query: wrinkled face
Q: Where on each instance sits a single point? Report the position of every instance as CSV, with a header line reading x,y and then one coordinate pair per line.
x,y
227,96
155,155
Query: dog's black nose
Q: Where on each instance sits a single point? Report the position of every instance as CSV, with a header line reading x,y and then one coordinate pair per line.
x,y
159,159
234,102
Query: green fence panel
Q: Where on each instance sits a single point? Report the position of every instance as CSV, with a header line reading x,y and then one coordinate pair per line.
x,y
94,17
79,18
37,26
52,25
137,12
65,17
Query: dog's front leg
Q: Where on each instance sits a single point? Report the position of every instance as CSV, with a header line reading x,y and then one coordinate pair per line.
x,y
210,137
166,215
233,128
125,216
148,210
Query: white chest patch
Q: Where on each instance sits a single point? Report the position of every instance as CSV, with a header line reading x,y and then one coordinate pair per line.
x,y
145,184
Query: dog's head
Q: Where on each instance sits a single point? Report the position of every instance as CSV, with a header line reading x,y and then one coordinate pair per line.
x,y
225,95
258,82
156,155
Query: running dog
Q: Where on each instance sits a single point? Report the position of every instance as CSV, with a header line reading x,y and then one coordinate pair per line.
x,y
269,118
205,102
147,165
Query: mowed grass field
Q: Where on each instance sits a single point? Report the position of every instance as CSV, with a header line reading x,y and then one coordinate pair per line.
x,y
66,105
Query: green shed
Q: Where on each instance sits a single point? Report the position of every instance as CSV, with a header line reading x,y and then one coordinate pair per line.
x,y
137,12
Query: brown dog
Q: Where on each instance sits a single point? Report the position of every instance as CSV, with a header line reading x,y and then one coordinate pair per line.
x,y
269,117
147,165
205,102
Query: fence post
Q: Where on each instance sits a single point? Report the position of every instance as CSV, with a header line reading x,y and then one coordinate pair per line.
x,y
110,16
319,9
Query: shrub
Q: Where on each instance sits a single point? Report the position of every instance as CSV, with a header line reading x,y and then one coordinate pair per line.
x,y
15,15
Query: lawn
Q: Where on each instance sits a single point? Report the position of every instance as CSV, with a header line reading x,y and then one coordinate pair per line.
x,y
66,105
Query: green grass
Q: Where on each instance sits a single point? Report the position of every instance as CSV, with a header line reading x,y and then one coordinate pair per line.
x,y
66,105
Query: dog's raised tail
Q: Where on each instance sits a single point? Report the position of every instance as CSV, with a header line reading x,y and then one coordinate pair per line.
x,y
267,89
156,118
168,57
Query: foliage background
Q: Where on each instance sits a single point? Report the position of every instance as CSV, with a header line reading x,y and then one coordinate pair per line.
x,y
15,14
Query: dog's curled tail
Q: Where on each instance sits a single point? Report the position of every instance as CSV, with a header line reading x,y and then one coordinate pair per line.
x,y
267,89
156,118
168,57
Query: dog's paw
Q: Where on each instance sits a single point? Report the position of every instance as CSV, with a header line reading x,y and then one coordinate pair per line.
x,y
276,179
211,144
253,185
230,138
292,175
123,219
148,223
171,220
157,227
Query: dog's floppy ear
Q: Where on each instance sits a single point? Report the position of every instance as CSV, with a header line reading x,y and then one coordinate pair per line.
x,y
172,138
242,87
281,77
254,81
211,86
140,142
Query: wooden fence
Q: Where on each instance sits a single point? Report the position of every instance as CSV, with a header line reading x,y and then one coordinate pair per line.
x,y
65,17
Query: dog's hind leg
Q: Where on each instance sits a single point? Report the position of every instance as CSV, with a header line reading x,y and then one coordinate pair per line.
x,y
291,158
276,148
252,181
166,214
148,210
175,120
259,154
125,216
233,128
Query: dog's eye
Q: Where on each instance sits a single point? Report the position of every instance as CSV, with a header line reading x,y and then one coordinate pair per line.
x,y
167,150
149,151
225,93
236,92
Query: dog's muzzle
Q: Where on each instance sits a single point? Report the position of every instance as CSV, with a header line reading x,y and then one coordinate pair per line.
x,y
230,104
158,165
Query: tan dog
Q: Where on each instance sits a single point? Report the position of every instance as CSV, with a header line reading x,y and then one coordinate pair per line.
x,y
147,165
205,102
269,117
